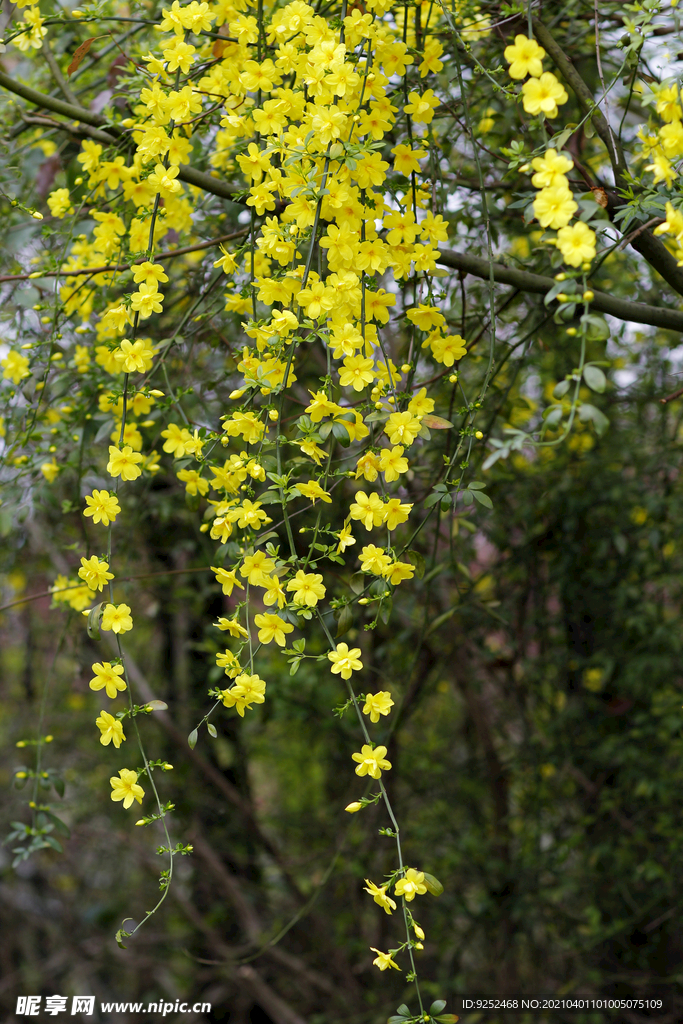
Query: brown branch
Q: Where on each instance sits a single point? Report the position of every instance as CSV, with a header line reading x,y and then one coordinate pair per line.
x,y
670,398
114,133
525,281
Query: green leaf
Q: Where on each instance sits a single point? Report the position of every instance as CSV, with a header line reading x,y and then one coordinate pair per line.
x,y
433,884
345,621
58,824
437,1006
432,499
436,422
416,559
94,622
357,582
595,378
403,1010
54,843
157,705
211,729
590,413
385,609
192,739
597,328
341,433
561,389
448,1018
59,786
482,498
467,497
294,666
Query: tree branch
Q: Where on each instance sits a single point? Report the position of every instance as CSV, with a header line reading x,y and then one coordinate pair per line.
x,y
538,284
113,133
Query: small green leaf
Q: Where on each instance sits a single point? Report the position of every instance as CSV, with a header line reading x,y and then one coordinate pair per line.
x,y
437,1006
595,378
345,621
157,705
418,561
467,497
403,1010
482,498
59,786
211,729
94,622
357,582
294,666
436,422
192,739
448,1018
432,499
58,824
598,419
561,389
433,884
54,843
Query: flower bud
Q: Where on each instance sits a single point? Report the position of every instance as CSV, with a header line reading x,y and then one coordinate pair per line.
x,y
588,295
571,331
354,807
478,434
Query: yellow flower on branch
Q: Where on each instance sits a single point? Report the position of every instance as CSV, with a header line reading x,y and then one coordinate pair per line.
x,y
111,729
345,660
379,895
371,761
126,787
411,885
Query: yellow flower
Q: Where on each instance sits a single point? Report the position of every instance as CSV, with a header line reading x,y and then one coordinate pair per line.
x,y
247,690
373,559
554,207
229,663
111,729
411,885
524,58
383,960
402,428
95,572
371,761
256,568
379,894
396,512
345,661
576,243
345,538
126,787
272,627
16,367
231,626
377,704
543,95
368,509
108,676
551,169
358,372
398,571
425,317
406,160
49,470
392,463
117,618
124,463
227,579
307,588
313,490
